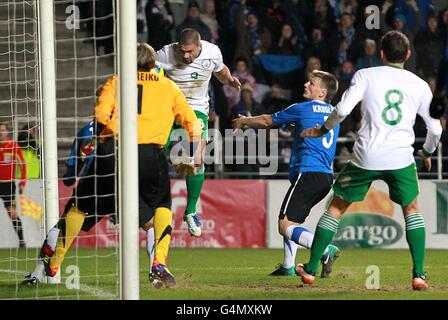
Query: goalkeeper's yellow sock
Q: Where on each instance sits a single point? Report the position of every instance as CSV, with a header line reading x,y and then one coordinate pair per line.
x,y
69,231
162,233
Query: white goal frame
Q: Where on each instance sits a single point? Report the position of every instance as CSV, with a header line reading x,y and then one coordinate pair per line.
x,y
128,148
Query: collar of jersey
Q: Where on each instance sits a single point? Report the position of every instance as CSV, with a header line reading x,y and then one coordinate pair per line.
x,y
396,67
198,54
319,101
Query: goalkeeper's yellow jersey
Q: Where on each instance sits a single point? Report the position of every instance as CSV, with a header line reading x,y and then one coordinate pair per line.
x,y
160,103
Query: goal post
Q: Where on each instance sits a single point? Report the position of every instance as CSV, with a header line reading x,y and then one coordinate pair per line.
x,y
128,150
54,56
48,101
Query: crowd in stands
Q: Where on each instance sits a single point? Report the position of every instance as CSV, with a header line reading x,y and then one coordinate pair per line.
x,y
272,45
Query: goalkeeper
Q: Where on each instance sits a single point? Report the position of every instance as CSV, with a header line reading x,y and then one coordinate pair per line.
x,y
160,103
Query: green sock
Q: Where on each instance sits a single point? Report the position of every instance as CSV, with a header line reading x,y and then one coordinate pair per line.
x,y
415,236
325,231
194,186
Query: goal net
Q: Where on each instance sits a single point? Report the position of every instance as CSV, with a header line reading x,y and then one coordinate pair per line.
x,y
85,57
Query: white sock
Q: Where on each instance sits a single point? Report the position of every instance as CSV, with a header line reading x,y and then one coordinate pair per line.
x,y
150,246
52,237
300,235
290,250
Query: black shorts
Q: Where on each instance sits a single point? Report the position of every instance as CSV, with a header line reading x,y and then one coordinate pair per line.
x,y
308,189
153,181
8,193
96,191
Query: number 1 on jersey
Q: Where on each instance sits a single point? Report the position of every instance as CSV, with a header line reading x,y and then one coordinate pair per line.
x,y
140,97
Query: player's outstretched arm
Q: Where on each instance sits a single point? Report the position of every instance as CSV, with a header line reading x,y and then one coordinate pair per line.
x,y
105,104
335,118
262,122
225,77
315,132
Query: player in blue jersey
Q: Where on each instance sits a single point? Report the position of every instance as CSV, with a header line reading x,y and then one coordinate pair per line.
x,y
81,154
310,166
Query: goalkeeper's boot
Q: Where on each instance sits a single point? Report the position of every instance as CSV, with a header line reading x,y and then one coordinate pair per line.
x,y
282,271
31,279
419,282
328,259
46,252
193,223
161,276
151,277
308,277
36,276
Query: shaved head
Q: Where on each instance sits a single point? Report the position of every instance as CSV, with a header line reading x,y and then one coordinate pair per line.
x,y
189,36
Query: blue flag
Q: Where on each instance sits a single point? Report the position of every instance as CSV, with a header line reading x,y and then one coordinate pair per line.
x,y
280,64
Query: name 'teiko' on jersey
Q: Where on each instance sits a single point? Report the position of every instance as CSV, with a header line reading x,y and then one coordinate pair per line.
x,y
309,154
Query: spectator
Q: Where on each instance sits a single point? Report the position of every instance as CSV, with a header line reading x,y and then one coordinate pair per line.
x,y
319,47
321,16
443,20
11,156
348,6
288,43
313,63
209,18
28,142
275,101
227,32
193,21
399,24
345,74
370,57
242,73
219,106
275,17
345,38
247,105
295,12
429,48
253,39
160,22
362,33
347,128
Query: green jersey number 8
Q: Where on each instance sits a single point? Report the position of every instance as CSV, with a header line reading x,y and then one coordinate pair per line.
x,y
393,105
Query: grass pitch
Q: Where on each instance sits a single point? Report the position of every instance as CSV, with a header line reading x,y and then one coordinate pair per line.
x,y
236,274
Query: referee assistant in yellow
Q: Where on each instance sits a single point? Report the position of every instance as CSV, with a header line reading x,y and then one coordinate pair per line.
x,y
160,103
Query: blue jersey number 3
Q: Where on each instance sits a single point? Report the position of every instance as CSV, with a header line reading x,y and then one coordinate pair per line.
x,y
325,142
